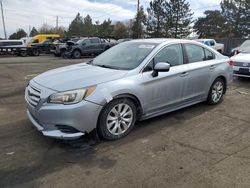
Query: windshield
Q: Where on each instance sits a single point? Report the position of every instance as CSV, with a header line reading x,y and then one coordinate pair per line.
x,y
125,56
245,47
80,41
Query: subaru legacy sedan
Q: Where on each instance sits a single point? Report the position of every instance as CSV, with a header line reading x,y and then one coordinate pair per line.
x,y
132,81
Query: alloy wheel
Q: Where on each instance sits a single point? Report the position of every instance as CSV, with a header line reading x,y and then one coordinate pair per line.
x,y
119,119
217,91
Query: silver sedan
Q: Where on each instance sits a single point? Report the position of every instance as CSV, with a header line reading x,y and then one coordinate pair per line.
x,y
132,81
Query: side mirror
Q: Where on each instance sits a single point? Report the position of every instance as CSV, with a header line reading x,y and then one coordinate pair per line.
x,y
160,67
83,44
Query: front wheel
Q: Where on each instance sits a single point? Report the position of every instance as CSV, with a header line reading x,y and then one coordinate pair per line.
x,y
117,119
216,92
76,54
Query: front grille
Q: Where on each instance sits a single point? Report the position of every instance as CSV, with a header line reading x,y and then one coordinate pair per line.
x,y
33,95
241,64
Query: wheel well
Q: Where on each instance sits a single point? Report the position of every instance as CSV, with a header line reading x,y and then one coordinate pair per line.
x,y
135,100
131,97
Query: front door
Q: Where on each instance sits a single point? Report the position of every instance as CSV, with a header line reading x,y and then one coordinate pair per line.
x,y
166,90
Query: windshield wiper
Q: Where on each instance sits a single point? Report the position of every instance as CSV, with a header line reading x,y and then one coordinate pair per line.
x,y
104,66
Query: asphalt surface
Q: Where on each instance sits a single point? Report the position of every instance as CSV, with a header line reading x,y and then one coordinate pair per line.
x,y
200,146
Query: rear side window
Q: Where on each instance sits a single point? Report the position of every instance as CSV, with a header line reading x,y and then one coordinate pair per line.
x,y
209,55
94,41
195,53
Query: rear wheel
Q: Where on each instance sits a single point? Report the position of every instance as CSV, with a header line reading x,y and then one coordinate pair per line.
x,y
117,119
23,53
76,54
35,52
216,92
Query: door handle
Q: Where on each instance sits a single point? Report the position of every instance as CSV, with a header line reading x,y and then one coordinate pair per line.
x,y
212,67
184,74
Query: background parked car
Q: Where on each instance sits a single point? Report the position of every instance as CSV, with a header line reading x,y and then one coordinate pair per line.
x,y
123,40
16,47
212,43
45,46
87,46
42,37
241,62
60,46
244,46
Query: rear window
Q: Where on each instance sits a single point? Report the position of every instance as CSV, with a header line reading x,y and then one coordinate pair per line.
x,y
9,43
209,55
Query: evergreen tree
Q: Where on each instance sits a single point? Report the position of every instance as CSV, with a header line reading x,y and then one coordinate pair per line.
x,y
179,18
88,27
76,26
105,29
210,26
156,19
20,33
237,15
33,32
137,28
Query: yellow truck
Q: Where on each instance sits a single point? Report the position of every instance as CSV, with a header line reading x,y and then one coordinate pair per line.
x,y
42,37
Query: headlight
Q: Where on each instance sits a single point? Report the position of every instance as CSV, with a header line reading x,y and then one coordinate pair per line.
x,y
71,97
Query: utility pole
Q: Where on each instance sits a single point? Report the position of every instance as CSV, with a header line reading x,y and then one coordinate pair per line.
x,y
4,29
138,22
56,22
29,30
138,6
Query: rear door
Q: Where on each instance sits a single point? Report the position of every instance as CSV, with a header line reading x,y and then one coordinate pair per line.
x,y
95,45
201,65
86,46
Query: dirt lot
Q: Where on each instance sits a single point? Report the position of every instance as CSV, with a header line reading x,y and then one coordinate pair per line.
x,y
200,146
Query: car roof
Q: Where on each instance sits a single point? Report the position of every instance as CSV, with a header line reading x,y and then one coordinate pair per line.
x,y
203,39
11,40
160,40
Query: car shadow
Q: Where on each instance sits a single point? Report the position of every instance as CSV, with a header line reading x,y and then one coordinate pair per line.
x,y
84,151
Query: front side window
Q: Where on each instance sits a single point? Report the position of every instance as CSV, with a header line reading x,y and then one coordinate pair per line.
x,y
171,54
195,53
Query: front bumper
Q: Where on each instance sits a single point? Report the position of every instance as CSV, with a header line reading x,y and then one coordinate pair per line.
x,y
54,133
58,120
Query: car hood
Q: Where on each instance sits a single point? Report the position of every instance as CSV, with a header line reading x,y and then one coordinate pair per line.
x,y
77,76
241,57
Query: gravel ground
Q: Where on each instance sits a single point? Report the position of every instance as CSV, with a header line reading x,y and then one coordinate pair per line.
x,y
200,146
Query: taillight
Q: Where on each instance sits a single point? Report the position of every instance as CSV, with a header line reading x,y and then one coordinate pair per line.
x,y
231,63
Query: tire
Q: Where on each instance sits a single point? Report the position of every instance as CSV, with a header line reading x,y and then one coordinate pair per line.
x,y
23,53
117,119
62,53
76,54
216,92
35,52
